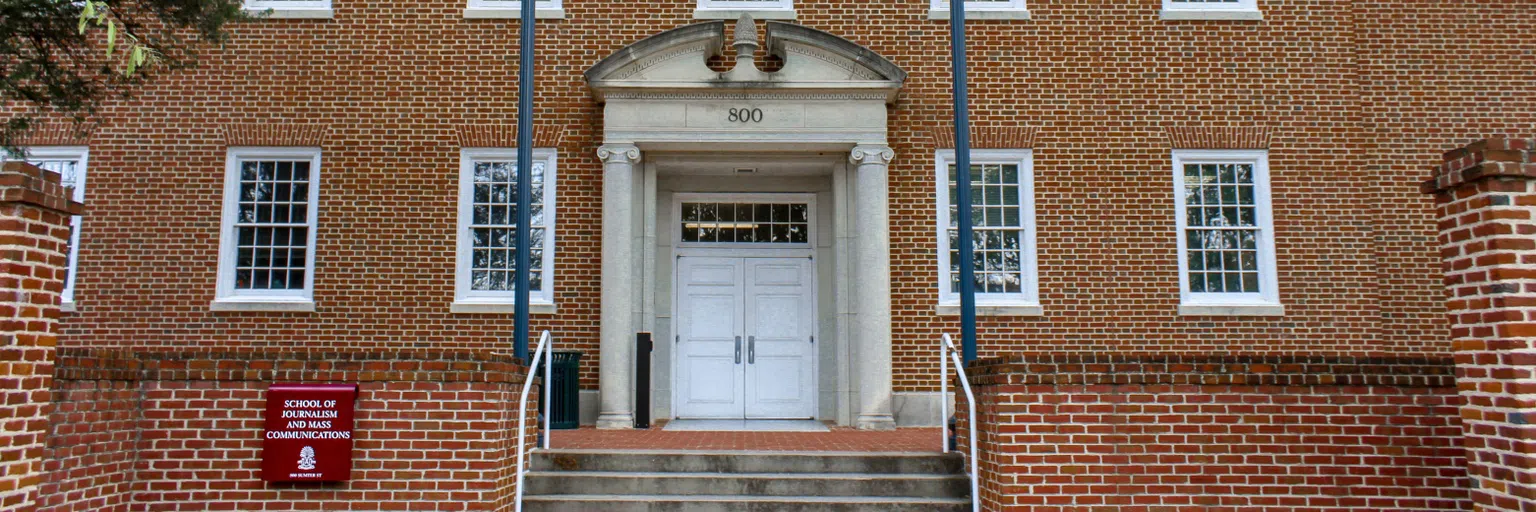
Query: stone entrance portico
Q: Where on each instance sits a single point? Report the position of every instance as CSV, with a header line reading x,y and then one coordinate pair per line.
x,y
664,104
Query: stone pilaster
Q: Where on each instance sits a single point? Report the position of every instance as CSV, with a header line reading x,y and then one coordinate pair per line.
x,y
872,285
1485,196
616,372
35,213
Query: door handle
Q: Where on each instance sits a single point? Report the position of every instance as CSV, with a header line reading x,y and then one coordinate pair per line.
x,y
738,350
751,349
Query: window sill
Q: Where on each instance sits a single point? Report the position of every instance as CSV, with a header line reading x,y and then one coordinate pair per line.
x,y
534,308
943,14
260,304
1190,14
490,13
732,14
292,14
993,310
67,306
1231,310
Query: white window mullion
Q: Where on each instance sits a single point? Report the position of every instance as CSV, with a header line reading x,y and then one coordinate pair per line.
x,y
70,163
1225,232
747,4
485,272
1211,10
1003,212
982,10
290,9
267,242
982,4
512,9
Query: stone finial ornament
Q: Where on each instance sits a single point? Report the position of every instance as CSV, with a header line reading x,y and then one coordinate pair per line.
x,y
746,49
746,31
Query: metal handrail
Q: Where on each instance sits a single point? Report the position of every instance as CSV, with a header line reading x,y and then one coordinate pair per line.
x,y
543,351
947,351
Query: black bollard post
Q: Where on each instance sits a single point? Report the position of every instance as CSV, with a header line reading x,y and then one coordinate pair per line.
x,y
643,380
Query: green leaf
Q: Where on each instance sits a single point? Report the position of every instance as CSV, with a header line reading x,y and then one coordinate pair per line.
x,y
133,61
111,37
139,55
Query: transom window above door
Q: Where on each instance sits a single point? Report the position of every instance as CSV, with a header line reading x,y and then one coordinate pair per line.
x,y
773,222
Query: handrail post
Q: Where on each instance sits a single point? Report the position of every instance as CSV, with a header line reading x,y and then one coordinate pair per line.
x,y
947,353
549,408
522,415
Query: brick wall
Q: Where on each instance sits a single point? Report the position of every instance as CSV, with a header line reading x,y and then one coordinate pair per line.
x,y
92,445
1414,110
34,231
1121,433
182,431
1101,85
1485,195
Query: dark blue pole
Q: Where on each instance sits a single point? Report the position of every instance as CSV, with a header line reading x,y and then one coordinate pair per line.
x,y
963,184
524,179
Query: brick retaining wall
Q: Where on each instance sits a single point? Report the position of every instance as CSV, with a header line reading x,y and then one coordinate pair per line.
x,y
182,431
1217,433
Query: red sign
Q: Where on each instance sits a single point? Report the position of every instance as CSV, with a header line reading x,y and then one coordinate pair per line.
x,y
308,435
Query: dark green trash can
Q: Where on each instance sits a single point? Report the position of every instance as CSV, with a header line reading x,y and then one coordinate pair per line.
x,y
565,390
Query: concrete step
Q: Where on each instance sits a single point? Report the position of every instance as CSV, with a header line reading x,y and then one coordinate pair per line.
x,y
745,484
747,462
733,503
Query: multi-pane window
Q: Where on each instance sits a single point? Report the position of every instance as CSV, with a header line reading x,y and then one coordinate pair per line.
x,y
69,162
1226,250
511,8
1210,6
290,8
982,5
770,222
1002,219
747,4
269,225
488,211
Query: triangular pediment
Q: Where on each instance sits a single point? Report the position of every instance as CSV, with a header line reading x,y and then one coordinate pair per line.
x,y
677,61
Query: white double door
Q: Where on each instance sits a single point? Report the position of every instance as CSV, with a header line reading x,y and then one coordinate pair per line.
x,y
745,346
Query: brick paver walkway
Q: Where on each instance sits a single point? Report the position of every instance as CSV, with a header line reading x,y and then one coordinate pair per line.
x,y
838,440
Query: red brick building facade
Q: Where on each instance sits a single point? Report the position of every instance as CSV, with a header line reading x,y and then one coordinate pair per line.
x,y
1339,106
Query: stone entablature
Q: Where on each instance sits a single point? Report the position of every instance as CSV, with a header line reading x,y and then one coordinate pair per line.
x,y
660,90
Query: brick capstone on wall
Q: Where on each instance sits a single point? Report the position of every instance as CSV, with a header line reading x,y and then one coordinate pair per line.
x,y
35,214
1485,195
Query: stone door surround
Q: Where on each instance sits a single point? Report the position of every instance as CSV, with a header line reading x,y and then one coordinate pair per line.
x,y
831,95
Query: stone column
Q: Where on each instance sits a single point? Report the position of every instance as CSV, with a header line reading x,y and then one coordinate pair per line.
x,y
35,213
616,372
872,285
1485,196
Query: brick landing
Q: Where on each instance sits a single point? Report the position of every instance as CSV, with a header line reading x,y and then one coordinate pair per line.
x,y
838,440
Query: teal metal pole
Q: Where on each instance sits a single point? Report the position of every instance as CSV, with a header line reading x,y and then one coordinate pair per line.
x,y
524,179
963,184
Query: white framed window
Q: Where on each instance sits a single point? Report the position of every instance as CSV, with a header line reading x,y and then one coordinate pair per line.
x,y
485,277
733,9
1003,232
754,220
982,10
290,9
1211,10
513,9
70,163
1225,233
267,239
